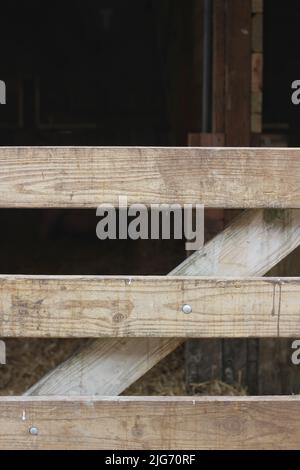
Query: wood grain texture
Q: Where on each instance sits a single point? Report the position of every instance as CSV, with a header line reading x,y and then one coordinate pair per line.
x,y
150,423
238,73
250,246
256,123
105,366
238,35
87,177
97,306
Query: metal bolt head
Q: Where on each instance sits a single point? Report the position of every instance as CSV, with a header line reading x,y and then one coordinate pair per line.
x,y
187,309
33,431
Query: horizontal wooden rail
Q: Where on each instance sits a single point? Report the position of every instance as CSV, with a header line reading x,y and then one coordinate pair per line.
x,y
249,246
89,176
150,423
98,306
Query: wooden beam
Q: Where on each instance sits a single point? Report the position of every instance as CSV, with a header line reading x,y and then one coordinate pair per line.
x,y
205,140
97,306
257,6
136,423
87,177
254,243
219,66
238,72
257,73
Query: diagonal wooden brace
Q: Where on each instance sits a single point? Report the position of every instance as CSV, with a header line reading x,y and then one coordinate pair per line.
x,y
255,242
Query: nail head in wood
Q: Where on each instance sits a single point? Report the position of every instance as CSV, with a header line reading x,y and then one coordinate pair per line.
x,y
187,309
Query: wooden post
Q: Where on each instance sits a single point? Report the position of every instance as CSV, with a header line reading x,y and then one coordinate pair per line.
x,y
232,39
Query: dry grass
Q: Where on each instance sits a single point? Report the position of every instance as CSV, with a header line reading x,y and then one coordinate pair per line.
x,y
167,378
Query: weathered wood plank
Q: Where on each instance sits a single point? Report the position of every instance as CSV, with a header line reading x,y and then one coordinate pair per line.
x,y
254,243
277,375
256,103
97,306
150,423
86,177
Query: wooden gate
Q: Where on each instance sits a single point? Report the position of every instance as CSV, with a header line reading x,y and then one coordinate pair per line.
x,y
136,321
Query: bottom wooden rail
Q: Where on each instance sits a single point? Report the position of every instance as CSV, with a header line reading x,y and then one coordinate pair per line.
x,y
150,423
143,306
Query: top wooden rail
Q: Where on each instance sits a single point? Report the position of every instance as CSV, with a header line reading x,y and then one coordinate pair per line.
x,y
84,177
